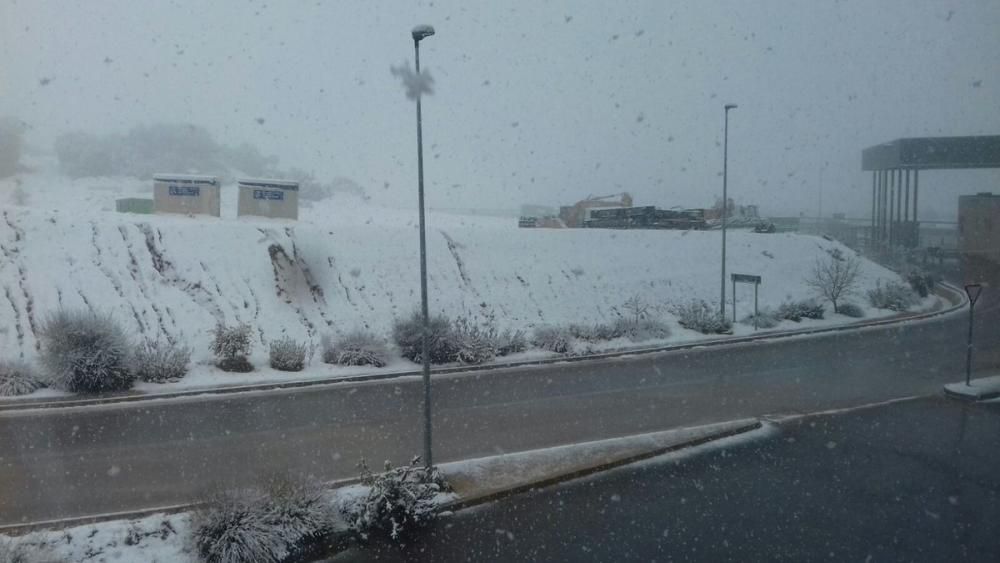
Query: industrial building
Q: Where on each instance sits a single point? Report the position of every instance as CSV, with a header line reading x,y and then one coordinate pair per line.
x,y
979,237
189,195
894,218
268,198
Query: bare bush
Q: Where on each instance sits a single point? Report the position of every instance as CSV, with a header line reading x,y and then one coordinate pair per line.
x,y
356,348
641,329
893,296
636,308
552,338
286,354
851,310
399,501
18,378
834,278
231,346
160,362
598,332
765,319
798,310
698,315
511,342
85,352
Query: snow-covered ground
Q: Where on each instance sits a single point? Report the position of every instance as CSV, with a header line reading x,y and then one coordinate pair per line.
x,y
348,264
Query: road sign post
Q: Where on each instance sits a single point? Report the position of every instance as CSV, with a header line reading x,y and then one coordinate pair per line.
x,y
746,278
972,290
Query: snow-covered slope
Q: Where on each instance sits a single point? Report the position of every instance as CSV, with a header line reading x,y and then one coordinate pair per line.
x,y
346,264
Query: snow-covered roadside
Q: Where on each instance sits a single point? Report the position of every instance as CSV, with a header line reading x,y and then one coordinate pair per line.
x,y
207,377
158,538
348,264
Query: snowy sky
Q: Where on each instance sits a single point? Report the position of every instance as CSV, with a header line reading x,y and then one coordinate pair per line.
x,y
534,101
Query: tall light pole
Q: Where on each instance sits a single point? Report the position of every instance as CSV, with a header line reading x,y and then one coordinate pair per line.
x,y
420,32
725,211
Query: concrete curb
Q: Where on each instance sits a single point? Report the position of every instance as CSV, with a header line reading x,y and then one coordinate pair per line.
x,y
980,389
958,300
973,397
590,469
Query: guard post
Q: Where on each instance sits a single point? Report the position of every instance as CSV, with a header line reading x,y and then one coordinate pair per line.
x,y
746,278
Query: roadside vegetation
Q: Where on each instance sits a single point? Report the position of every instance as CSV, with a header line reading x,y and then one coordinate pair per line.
x,y
89,352
85,352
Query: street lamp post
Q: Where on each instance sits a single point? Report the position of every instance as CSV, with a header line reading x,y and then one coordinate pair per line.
x,y
420,32
725,212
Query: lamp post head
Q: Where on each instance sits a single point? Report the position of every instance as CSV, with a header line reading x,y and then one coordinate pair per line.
x,y
422,31
730,106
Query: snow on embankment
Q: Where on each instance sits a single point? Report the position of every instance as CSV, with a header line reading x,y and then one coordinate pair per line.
x,y
173,278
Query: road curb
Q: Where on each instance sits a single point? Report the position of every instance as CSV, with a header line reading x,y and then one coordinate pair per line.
x,y
25,404
971,398
746,426
970,394
463,503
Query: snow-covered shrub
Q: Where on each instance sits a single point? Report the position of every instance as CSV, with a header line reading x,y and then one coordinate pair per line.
x,y
921,283
441,345
642,329
697,314
18,378
552,338
511,342
15,551
231,346
851,310
288,355
159,362
765,319
598,332
356,348
85,352
232,528
297,508
893,296
270,524
798,310
399,500
474,344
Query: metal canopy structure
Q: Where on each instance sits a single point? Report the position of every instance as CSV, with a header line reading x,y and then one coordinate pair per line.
x,y
894,220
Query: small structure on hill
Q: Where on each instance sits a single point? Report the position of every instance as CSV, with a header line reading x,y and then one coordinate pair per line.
x,y
134,205
190,195
268,198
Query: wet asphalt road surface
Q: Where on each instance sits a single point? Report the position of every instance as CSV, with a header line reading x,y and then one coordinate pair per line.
x,y
80,461
911,481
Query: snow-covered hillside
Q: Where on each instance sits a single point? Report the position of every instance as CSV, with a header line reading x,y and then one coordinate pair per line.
x,y
346,264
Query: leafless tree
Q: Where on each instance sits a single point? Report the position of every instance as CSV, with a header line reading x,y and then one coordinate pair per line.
x,y
637,308
834,279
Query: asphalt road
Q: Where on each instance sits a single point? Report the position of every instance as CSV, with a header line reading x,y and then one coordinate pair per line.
x,y
912,481
81,461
